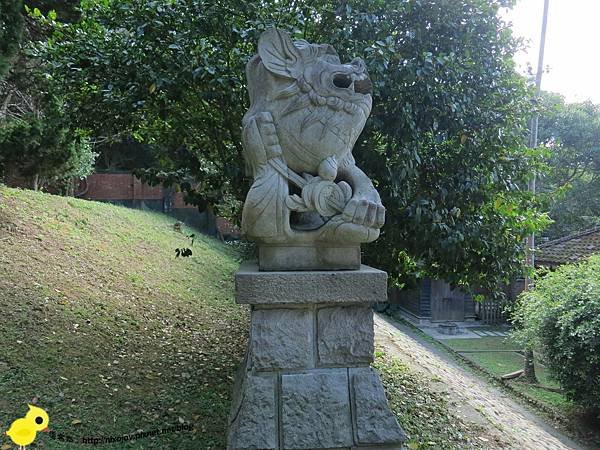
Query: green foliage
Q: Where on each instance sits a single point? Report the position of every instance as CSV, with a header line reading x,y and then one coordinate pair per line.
x,y
37,140
82,158
444,144
11,31
561,317
575,208
571,132
63,10
445,139
43,148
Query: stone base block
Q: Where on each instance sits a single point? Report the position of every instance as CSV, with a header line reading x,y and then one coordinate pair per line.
x,y
345,335
366,285
281,339
374,423
287,257
253,422
315,409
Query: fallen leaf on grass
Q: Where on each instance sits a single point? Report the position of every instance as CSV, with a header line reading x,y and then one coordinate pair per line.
x,y
76,422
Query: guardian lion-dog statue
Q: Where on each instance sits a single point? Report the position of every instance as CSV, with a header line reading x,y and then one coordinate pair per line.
x,y
306,112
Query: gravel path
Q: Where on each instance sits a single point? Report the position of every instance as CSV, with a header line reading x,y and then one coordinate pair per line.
x,y
475,400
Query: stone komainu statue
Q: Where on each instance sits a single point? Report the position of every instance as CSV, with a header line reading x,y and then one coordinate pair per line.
x,y
306,382
307,110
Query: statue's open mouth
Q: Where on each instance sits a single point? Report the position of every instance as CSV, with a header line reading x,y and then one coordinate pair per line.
x,y
363,86
359,83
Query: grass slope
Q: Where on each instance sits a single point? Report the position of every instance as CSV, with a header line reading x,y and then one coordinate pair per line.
x,y
106,330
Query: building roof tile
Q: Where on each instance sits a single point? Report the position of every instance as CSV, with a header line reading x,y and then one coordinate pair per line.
x,y
568,249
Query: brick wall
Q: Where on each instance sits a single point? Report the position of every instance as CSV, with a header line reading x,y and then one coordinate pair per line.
x,y
178,202
127,187
127,190
120,186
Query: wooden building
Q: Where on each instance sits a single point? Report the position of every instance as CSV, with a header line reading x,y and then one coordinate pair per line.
x,y
434,301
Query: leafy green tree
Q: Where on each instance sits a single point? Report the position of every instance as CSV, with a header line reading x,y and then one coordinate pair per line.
x,y
444,144
571,132
11,31
37,142
65,10
41,149
560,317
577,208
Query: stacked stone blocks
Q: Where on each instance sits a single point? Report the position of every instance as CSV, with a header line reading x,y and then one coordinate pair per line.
x,y
306,382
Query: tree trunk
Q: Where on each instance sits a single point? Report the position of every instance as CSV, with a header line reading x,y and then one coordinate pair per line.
x,y
36,180
529,367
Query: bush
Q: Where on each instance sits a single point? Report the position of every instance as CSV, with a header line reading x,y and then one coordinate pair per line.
x,y
561,318
45,149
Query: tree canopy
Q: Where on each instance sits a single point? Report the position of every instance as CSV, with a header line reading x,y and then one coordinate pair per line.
x,y
38,142
42,149
11,31
444,144
571,133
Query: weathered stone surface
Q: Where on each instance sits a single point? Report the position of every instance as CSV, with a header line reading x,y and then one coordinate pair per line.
x,y
306,111
374,422
254,424
316,410
345,335
282,339
308,257
367,285
380,447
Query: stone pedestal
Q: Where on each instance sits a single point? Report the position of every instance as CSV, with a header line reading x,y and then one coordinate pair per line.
x,y
309,257
306,382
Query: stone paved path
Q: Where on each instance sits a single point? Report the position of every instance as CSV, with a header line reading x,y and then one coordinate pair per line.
x,y
475,400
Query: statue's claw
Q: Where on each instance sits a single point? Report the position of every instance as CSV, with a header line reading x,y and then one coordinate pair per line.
x,y
370,214
339,230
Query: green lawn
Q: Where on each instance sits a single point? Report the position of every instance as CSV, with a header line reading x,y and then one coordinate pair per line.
x,y
110,333
497,363
503,362
484,343
552,399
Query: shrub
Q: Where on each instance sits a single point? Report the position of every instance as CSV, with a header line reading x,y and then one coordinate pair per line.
x,y
45,149
560,317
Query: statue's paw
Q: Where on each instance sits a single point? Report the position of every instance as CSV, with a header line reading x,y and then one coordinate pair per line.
x,y
364,212
339,230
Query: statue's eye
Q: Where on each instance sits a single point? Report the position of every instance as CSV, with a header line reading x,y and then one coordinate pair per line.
x,y
342,80
39,420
